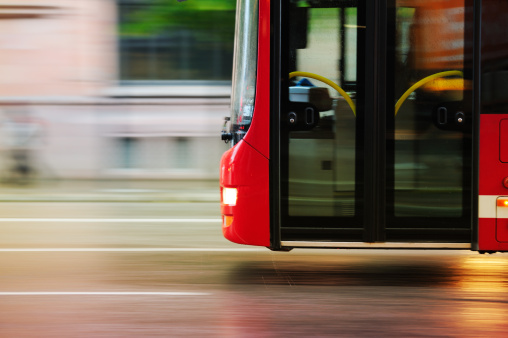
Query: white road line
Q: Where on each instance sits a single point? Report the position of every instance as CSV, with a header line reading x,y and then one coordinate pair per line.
x,y
107,293
114,220
132,249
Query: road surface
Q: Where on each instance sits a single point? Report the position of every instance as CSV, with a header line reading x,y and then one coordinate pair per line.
x,y
164,270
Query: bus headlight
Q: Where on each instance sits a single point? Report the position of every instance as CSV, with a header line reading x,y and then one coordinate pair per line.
x,y
229,196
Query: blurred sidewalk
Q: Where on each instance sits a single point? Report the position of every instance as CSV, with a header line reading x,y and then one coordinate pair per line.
x,y
112,191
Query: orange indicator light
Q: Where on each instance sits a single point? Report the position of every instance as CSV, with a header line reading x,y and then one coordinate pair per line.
x,y
228,220
502,202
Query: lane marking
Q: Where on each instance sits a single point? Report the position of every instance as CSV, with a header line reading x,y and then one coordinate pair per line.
x,y
107,293
114,220
132,249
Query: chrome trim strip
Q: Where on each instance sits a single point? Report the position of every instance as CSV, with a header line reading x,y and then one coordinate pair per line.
x,y
384,245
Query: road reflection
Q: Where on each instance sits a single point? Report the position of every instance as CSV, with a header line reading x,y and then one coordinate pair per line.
x,y
356,293
339,270
364,274
484,273
397,294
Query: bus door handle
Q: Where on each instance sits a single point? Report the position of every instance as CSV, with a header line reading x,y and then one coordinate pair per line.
x,y
450,116
309,116
442,115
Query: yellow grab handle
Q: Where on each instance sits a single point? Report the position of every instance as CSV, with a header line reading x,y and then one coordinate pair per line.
x,y
399,102
421,83
328,82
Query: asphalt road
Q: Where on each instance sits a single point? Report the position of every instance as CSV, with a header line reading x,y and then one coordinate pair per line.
x,y
164,270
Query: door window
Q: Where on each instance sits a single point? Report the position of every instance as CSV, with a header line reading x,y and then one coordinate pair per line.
x,y
432,122
321,119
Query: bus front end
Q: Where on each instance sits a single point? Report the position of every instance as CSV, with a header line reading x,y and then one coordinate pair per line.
x,y
244,168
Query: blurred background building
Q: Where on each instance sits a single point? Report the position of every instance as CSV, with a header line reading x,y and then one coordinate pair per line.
x,y
114,88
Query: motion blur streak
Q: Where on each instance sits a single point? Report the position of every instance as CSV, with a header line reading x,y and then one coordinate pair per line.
x,y
135,250
32,293
113,220
139,88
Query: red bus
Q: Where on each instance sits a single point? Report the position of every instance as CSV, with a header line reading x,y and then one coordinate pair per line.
x,y
368,124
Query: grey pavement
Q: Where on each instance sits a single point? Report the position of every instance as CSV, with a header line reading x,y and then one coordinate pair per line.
x,y
112,191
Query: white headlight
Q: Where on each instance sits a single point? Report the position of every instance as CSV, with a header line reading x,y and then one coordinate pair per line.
x,y
229,196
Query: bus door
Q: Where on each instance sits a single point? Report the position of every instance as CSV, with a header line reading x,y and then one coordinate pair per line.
x,y
375,122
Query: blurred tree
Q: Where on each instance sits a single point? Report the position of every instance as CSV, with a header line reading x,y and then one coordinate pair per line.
x,y
210,19
172,40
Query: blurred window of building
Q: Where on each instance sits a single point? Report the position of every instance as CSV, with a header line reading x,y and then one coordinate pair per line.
x,y
162,41
128,152
182,153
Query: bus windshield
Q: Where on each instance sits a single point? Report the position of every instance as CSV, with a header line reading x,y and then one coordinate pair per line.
x,y
244,68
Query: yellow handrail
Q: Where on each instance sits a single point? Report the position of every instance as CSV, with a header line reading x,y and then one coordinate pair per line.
x,y
328,82
399,102
421,83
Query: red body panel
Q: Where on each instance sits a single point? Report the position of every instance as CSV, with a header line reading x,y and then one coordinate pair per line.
x,y
244,168
246,165
503,140
492,172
